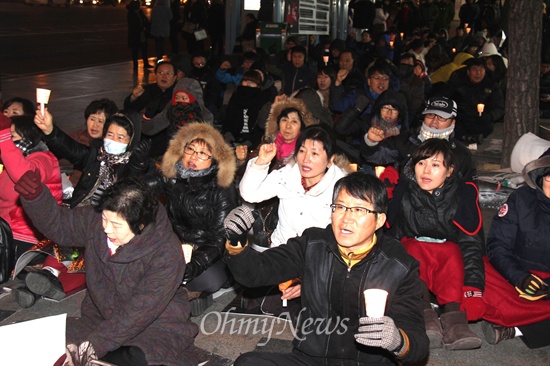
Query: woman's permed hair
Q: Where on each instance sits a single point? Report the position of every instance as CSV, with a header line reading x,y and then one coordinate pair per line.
x,y
132,200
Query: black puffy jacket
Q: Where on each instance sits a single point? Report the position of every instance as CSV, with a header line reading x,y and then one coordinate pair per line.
x,y
197,206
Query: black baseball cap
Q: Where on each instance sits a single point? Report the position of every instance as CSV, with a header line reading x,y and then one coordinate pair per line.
x,y
441,106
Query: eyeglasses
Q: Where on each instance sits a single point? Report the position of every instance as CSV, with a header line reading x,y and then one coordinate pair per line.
x,y
357,211
169,73
201,155
436,117
381,78
199,64
389,109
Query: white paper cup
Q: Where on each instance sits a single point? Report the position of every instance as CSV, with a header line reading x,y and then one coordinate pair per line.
x,y
187,252
42,95
375,302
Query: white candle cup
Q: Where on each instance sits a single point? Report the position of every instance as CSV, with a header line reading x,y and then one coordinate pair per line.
x,y
454,50
375,302
187,252
401,34
480,108
42,97
325,60
391,44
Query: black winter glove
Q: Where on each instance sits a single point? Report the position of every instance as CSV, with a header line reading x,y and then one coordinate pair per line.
x,y
532,288
362,102
140,156
238,223
29,185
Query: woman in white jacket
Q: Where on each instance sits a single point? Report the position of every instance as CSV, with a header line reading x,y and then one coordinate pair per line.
x,y
304,186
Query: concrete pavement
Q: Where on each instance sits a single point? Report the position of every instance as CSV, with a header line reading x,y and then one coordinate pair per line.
x,y
71,93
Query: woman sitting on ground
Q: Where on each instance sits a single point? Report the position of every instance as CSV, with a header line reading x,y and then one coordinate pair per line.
x,y
519,250
105,161
22,150
135,312
197,174
303,186
437,218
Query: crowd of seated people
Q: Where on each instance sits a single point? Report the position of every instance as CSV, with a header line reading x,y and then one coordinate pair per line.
x,y
217,146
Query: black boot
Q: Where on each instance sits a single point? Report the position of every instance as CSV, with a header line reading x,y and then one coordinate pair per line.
x,y
24,297
201,303
46,284
496,333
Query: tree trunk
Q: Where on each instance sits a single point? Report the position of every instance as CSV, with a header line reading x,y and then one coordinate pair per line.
x,y
522,93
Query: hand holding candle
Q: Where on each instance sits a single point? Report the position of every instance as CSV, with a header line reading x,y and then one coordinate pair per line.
x,y
42,98
286,285
480,108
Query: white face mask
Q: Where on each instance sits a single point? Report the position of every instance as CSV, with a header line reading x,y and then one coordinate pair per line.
x,y
113,147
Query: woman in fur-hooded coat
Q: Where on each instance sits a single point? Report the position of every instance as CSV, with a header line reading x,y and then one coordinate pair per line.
x,y
198,200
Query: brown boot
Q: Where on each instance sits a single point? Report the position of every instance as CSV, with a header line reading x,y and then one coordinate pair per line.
x,y
456,332
433,328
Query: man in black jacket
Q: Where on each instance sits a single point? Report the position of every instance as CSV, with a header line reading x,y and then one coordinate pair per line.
x,y
336,265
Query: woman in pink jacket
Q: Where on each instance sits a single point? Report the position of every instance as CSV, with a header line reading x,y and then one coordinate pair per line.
x,y
22,150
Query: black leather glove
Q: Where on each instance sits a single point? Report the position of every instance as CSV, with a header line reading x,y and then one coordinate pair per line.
x,y
139,160
29,185
362,102
238,223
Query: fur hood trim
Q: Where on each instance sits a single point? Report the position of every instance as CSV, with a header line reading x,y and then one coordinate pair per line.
x,y
535,169
342,161
271,127
221,152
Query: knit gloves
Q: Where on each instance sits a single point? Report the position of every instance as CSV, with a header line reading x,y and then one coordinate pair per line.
x,y
82,355
237,224
380,332
29,185
473,303
532,288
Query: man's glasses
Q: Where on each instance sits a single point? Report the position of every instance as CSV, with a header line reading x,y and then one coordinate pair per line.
x,y
357,211
436,117
201,155
381,78
169,73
